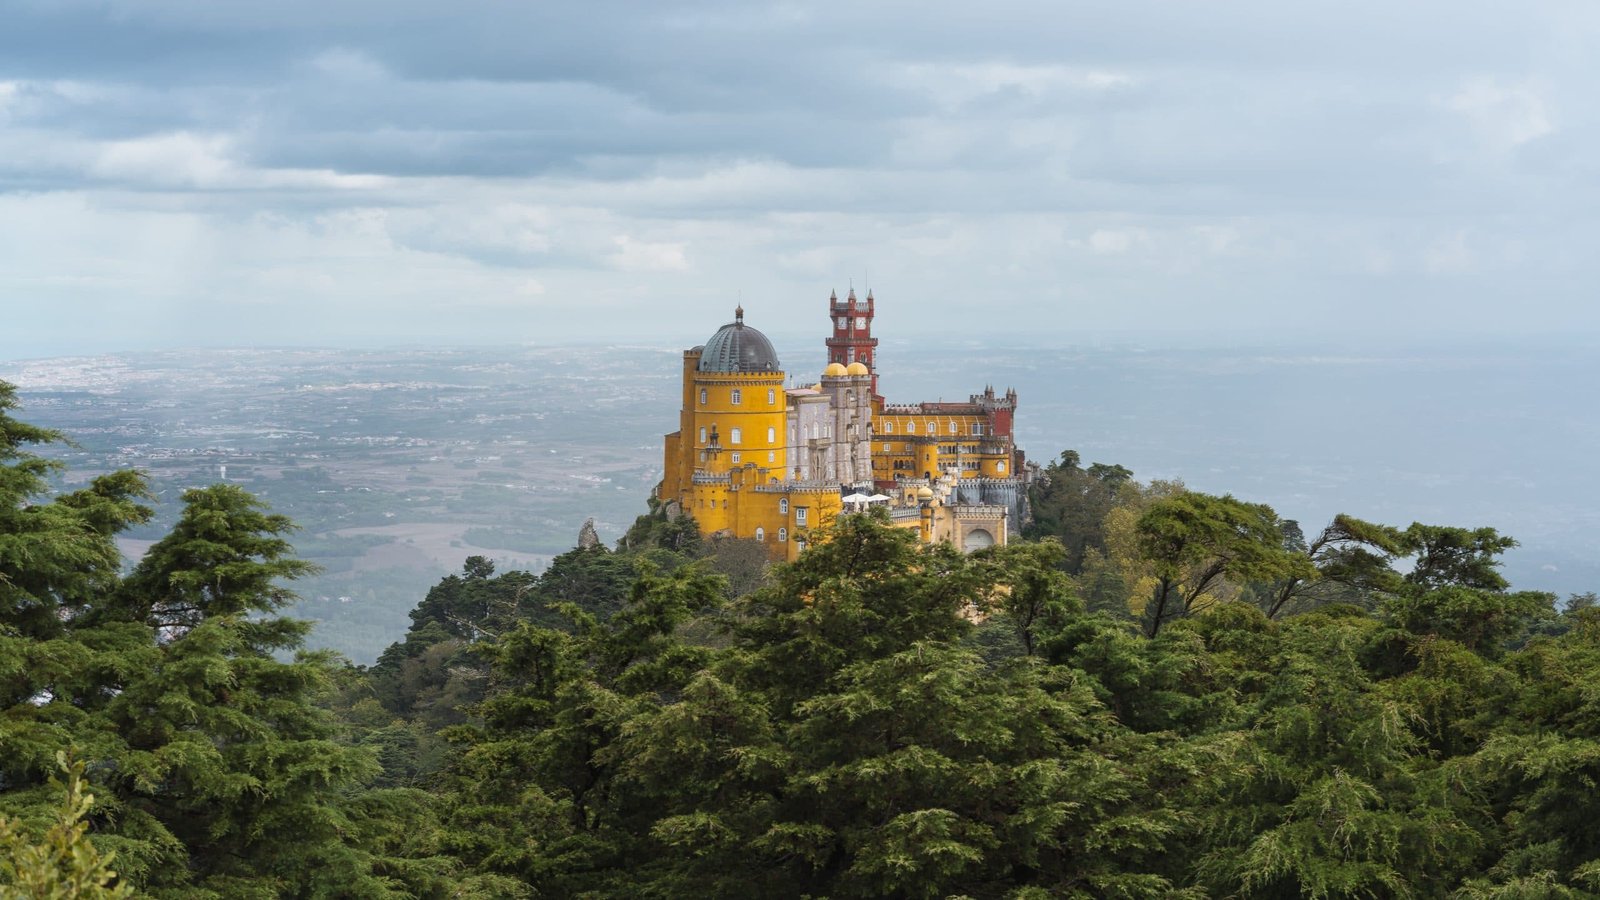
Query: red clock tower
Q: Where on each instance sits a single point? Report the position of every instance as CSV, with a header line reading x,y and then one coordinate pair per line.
x,y
851,339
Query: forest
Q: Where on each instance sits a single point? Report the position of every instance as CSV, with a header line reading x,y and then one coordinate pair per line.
x,y
1152,693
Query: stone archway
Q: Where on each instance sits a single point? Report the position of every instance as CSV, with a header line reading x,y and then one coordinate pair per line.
x,y
976,539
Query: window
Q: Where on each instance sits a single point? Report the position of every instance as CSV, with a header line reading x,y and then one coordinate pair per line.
x,y
761,534
888,428
734,459
783,535
772,397
800,515
976,428
911,428
735,436
702,396
702,434
702,456
783,505
772,435
737,397
772,456
1000,467
888,447
952,426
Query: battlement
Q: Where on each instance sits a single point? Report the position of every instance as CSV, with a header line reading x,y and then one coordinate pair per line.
x,y
797,487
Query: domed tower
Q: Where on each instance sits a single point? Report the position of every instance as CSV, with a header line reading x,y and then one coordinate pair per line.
x,y
732,418
851,340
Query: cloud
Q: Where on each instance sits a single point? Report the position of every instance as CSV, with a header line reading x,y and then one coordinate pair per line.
x,y
641,256
1503,115
367,167
205,162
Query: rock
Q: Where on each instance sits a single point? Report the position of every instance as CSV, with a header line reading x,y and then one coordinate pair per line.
x,y
588,538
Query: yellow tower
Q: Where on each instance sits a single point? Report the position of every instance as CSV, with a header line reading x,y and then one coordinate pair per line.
x,y
733,418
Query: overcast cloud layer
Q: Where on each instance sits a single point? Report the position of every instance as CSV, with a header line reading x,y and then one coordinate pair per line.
x,y
183,172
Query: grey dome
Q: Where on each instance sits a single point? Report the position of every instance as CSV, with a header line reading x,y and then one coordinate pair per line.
x,y
736,347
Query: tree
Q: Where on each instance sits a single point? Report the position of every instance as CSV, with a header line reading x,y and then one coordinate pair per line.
x,y
1032,594
1197,542
1070,504
64,864
1349,556
59,557
538,793
1331,794
1464,557
226,557
219,743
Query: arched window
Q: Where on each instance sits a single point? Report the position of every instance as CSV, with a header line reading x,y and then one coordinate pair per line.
x,y
772,435
952,426
761,534
737,397
783,505
911,428
702,396
735,436
772,397
888,428
702,434
783,535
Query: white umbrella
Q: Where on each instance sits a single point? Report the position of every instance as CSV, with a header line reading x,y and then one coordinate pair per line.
x,y
878,498
856,498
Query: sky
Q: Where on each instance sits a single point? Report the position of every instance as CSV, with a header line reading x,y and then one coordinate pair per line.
x,y
193,173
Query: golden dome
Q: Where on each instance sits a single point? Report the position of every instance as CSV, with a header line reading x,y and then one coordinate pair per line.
x,y
835,370
924,493
857,368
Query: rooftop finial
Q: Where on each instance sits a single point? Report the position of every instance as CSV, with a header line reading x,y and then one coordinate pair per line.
x,y
738,313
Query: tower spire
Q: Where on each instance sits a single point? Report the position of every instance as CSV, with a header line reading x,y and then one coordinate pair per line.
x,y
850,338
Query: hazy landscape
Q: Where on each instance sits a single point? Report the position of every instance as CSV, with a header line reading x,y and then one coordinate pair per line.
x,y
400,463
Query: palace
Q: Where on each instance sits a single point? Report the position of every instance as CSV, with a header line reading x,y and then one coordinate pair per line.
x,y
754,459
